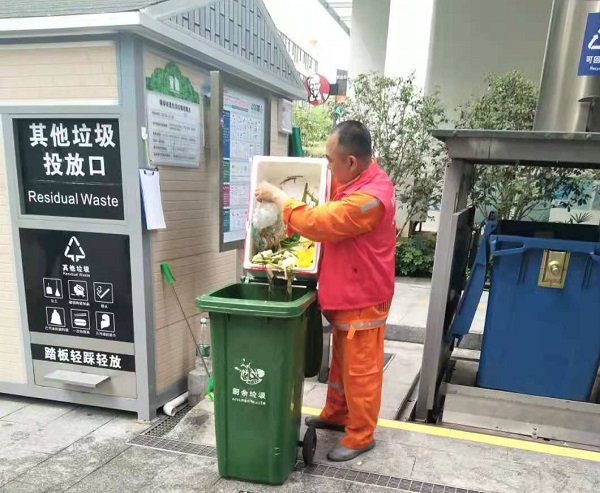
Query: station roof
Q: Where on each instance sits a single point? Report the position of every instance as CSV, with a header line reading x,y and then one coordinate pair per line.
x,y
36,8
199,29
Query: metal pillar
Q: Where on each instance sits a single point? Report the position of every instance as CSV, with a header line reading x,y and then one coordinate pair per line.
x,y
563,86
436,351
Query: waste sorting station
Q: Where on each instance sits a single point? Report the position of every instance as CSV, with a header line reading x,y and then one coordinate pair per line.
x,y
125,144
127,131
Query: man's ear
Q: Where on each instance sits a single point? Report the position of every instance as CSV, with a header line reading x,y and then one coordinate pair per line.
x,y
353,162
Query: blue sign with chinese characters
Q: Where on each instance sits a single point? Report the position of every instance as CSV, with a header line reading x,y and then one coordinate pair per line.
x,y
589,62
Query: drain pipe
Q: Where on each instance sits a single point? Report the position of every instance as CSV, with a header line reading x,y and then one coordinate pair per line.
x,y
171,407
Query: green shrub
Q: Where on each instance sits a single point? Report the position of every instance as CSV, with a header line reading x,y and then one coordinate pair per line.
x,y
414,256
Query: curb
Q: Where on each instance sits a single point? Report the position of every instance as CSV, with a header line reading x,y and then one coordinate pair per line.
x,y
416,335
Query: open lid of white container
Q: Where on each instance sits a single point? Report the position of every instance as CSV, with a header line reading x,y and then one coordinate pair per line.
x,y
295,172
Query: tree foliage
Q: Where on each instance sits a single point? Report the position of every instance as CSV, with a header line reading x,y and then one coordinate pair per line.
x,y
401,120
514,192
315,123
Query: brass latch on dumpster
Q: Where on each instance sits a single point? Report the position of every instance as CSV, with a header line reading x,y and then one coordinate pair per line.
x,y
553,271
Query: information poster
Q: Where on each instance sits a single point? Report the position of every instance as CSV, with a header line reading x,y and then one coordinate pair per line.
x,y
70,167
78,284
243,138
175,119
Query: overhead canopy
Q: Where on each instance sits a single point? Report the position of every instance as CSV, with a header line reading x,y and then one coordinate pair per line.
x,y
528,148
341,11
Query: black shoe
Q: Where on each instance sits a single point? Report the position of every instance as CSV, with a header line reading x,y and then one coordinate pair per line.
x,y
339,453
316,422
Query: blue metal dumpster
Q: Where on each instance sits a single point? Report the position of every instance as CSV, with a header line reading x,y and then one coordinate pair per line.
x,y
542,331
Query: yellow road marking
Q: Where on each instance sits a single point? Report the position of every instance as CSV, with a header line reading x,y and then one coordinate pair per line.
x,y
514,443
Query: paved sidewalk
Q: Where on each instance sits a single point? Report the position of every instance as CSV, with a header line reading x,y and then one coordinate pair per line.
x,y
408,316
399,378
47,447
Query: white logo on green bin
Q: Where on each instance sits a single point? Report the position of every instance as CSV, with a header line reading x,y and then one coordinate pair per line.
x,y
250,375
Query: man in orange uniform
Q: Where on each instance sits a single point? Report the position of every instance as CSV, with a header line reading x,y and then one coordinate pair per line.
x,y
356,281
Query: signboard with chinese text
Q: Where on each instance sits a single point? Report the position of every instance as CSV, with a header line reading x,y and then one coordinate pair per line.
x,y
83,357
175,131
342,83
243,138
175,118
78,284
70,167
589,60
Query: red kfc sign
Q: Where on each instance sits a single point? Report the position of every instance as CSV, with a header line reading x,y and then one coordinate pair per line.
x,y
317,88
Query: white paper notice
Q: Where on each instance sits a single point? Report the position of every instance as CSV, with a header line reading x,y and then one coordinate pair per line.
x,y
150,182
175,130
243,138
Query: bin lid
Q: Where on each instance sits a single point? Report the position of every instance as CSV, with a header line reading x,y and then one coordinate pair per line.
x,y
297,174
252,300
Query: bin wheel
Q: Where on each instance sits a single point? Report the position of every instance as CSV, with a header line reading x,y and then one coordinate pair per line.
x,y
309,446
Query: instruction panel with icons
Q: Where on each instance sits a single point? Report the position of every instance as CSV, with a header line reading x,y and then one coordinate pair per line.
x,y
78,284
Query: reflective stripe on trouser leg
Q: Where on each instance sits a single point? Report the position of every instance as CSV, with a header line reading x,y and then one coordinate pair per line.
x,y
335,387
336,410
363,380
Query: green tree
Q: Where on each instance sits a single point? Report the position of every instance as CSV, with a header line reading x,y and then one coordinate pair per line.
x,y
315,123
514,192
401,120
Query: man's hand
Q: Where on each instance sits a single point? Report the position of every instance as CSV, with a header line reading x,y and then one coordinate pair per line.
x,y
266,192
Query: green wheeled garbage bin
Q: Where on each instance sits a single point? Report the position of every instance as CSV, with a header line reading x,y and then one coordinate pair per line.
x,y
258,342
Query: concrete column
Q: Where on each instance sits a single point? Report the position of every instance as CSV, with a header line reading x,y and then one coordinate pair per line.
x,y
472,38
408,39
369,36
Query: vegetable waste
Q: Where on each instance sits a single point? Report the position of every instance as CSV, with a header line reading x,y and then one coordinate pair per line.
x,y
294,252
277,251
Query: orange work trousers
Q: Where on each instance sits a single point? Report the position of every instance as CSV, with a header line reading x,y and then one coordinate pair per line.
x,y
356,373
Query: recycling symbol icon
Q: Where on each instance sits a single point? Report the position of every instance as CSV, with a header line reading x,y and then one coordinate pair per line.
x,y
74,250
594,44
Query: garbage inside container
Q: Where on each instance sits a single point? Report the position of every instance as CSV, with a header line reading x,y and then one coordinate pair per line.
x,y
305,179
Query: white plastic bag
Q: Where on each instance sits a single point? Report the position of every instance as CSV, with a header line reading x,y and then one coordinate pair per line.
x,y
268,228
265,214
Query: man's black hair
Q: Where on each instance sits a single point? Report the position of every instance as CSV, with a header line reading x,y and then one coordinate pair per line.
x,y
355,138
